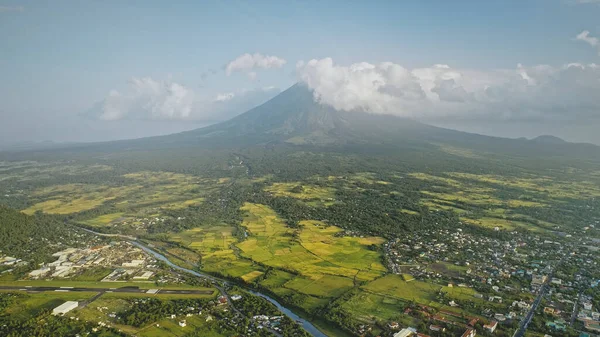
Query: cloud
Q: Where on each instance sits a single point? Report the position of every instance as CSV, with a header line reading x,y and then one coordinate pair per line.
x,y
441,92
591,40
7,9
248,63
150,99
224,97
584,2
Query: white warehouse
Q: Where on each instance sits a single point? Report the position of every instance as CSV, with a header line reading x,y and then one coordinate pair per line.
x,y
65,307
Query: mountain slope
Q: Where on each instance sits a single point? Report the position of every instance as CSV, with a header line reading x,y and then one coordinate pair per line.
x,y
293,118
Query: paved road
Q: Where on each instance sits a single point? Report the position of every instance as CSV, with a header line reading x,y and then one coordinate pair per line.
x,y
575,307
107,290
525,322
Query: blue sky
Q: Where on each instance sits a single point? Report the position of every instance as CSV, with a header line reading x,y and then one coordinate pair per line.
x,y
60,58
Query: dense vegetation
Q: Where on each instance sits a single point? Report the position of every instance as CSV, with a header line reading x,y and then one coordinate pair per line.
x,y
34,238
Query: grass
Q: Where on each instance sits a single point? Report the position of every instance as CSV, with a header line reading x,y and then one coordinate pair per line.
x,y
146,189
305,192
328,264
92,274
395,287
367,307
103,220
325,286
34,303
251,276
313,251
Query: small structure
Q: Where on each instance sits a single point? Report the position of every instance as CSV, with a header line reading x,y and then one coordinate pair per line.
x,y
65,307
469,333
182,323
491,327
406,332
436,328
236,297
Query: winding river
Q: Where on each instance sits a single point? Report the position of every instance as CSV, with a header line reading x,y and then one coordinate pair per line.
x,y
305,324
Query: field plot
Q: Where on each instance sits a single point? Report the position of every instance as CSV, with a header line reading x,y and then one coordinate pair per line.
x,y
73,198
301,191
328,264
395,287
214,245
364,306
32,304
104,220
145,190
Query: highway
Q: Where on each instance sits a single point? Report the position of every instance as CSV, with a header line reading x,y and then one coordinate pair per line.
x,y
108,290
525,322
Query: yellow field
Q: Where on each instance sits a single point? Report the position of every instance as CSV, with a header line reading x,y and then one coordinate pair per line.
x,y
308,192
251,276
104,220
328,263
148,189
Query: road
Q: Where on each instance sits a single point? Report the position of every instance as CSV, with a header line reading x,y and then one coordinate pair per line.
x,y
525,322
575,307
108,290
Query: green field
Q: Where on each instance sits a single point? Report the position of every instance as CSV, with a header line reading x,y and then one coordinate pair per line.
x,y
316,252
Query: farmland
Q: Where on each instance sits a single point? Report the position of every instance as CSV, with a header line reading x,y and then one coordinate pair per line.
x,y
316,243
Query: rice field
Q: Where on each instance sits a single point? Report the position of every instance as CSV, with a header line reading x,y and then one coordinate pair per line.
x,y
301,191
328,264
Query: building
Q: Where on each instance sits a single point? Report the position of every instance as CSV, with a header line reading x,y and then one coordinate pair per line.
x,y
491,327
469,333
182,323
65,307
436,328
406,332
538,280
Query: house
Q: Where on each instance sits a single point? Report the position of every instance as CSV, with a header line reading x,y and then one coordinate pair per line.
x,y
469,333
491,327
436,328
538,280
406,332
236,297
587,306
182,323
65,307
222,300
558,325
393,325
549,310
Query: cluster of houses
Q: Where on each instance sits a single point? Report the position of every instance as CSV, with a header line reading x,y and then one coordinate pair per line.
x,y
503,269
126,257
588,315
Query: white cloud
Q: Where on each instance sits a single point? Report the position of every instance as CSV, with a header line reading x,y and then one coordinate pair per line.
x,y
440,92
224,97
7,9
149,99
248,63
587,38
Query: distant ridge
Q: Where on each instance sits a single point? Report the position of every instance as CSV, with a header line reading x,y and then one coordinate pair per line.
x,y
548,139
294,118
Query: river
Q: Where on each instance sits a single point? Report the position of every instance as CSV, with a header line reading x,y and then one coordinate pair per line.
x,y
305,324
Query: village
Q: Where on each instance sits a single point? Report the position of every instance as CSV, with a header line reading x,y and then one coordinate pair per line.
x,y
507,273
